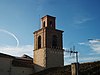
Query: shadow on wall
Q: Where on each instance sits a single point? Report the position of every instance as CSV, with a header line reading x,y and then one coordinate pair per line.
x,y
38,68
54,71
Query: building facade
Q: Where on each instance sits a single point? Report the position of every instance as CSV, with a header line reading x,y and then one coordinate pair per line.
x,y
10,65
48,45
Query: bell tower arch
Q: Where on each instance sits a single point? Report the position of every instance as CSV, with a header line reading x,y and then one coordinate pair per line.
x,y
48,45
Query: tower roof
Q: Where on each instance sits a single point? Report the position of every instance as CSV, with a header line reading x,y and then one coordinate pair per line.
x,y
48,16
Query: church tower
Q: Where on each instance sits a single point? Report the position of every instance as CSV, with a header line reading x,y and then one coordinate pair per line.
x,y
48,45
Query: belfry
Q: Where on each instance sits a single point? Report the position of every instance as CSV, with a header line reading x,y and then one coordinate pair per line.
x,y
48,45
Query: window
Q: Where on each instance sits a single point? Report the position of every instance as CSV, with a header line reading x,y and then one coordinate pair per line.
x,y
51,23
54,41
39,42
44,24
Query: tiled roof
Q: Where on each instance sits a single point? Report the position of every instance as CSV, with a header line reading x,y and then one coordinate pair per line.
x,y
90,68
19,61
23,62
26,56
6,56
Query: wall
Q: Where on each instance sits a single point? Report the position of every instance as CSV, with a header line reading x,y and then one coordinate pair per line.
x,y
54,58
5,66
42,33
39,59
55,71
21,71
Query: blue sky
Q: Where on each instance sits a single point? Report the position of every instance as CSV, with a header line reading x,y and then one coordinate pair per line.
x,y
80,20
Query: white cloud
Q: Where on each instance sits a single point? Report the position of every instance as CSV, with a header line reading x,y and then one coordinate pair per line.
x,y
81,59
94,41
94,44
69,61
79,19
82,20
89,58
94,55
82,43
66,55
95,47
17,51
11,34
69,58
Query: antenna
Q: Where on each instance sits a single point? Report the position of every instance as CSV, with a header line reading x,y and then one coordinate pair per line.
x,y
73,48
72,51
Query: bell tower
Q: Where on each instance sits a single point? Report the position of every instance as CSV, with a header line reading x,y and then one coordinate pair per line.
x,y
48,45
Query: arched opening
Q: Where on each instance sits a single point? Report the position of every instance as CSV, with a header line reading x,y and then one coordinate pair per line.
x,y
39,42
44,24
54,41
51,24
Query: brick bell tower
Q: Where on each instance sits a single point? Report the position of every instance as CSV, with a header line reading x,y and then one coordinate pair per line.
x,y
48,45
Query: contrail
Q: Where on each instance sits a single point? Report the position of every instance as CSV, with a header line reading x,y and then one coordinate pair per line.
x,y
5,31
